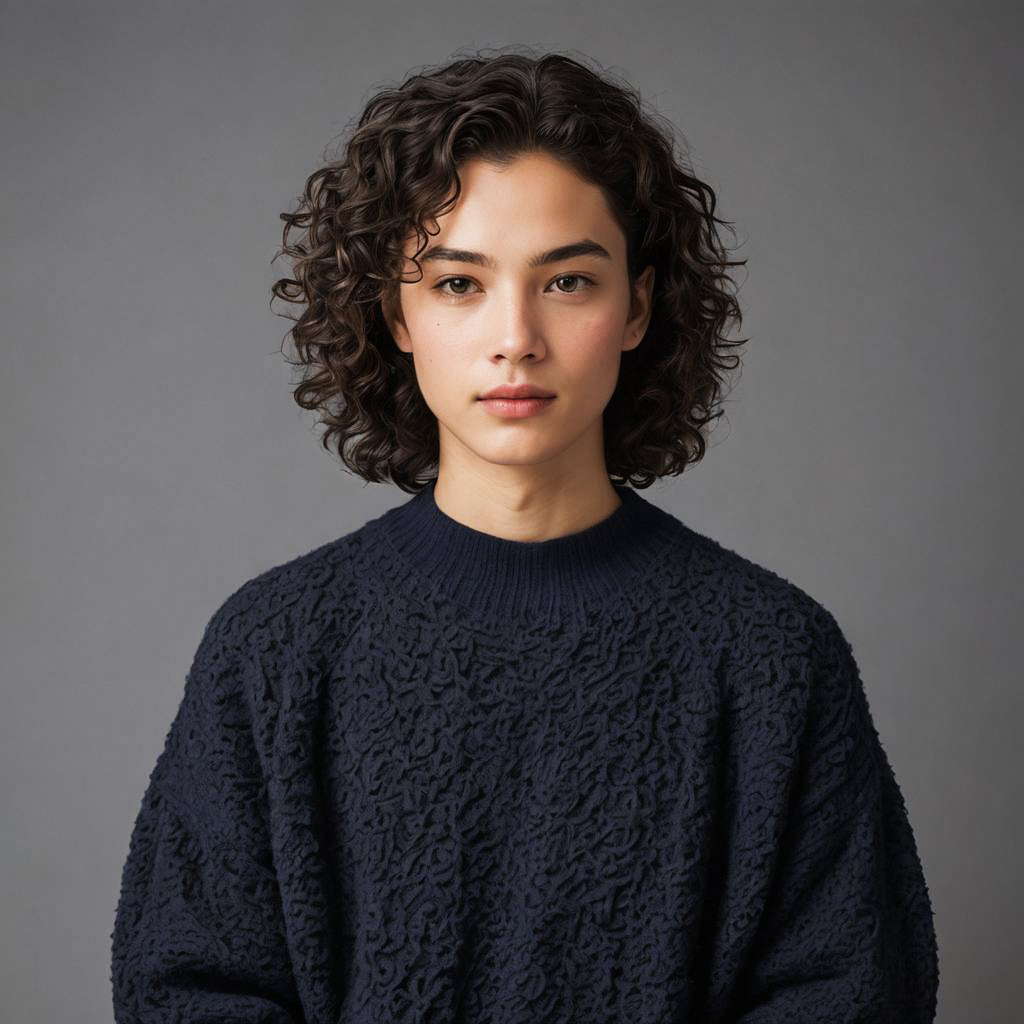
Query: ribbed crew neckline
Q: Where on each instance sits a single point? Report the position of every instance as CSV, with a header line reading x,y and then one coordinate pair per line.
x,y
495,576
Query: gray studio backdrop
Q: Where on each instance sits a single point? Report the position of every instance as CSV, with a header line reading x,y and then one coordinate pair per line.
x,y
153,459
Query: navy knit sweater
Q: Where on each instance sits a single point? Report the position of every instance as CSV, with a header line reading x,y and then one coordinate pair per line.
x,y
424,773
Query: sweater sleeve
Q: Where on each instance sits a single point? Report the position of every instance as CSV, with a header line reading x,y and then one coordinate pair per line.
x,y
847,934
198,930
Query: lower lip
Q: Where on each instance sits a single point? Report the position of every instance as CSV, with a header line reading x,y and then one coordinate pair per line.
x,y
516,408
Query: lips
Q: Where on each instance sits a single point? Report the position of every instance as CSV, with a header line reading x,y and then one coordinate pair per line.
x,y
517,391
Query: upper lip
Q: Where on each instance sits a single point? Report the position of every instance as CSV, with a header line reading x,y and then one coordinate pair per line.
x,y
517,391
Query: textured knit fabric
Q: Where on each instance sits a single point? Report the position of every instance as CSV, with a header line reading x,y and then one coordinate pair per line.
x,y
424,773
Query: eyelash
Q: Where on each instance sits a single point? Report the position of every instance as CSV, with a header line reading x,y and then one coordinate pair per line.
x,y
561,277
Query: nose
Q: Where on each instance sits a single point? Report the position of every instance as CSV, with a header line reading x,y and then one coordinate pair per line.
x,y
518,331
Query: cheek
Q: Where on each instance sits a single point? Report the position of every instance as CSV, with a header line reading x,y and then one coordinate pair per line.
x,y
438,364
594,348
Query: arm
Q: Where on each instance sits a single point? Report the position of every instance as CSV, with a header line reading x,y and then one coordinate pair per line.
x,y
847,934
199,933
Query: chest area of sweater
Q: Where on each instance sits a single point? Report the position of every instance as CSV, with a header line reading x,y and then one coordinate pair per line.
x,y
598,737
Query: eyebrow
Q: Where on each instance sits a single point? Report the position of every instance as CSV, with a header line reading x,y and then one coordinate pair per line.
x,y
584,247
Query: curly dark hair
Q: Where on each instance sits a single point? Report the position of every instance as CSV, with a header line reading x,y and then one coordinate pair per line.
x,y
398,167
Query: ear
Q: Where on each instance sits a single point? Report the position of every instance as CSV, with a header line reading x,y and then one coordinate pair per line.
x,y
640,310
391,310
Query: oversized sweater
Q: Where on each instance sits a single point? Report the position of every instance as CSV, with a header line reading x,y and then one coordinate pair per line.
x,y
424,773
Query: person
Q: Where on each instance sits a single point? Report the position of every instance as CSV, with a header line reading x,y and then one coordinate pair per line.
x,y
526,746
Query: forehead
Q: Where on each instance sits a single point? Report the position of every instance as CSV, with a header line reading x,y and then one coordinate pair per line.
x,y
515,211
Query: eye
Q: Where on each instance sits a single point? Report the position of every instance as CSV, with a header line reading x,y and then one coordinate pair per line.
x,y
461,281
448,280
587,283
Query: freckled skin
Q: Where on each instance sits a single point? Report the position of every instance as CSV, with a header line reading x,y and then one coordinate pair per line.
x,y
562,326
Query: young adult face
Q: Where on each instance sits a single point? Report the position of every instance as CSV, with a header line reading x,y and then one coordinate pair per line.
x,y
475,322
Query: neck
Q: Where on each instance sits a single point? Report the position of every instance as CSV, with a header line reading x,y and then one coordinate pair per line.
x,y
529,513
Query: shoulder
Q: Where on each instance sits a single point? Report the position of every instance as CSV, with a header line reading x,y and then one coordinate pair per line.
x,y
748,590
786,673
764,626
287,600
